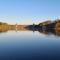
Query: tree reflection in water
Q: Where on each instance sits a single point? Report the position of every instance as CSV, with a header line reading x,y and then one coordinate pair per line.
x,y
46,32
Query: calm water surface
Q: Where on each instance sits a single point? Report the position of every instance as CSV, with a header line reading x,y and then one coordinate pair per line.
x,y
29,45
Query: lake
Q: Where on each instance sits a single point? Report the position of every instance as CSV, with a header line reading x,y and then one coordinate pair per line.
x,y
29,45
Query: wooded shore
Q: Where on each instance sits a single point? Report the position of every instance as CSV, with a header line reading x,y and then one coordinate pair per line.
x,y
47,25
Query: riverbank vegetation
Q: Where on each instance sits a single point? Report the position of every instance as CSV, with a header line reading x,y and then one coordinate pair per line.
x,y
5,27
47,25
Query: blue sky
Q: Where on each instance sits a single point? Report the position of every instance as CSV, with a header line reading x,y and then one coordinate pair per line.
x,y
29,11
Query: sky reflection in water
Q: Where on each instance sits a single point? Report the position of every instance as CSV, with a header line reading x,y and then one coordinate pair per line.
x,y
29,45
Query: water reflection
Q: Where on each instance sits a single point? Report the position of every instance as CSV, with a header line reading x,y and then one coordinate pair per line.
x,y
55,32
23,44
47,32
